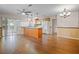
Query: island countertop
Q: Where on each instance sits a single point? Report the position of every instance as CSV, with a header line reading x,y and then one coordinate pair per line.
x,y
33,32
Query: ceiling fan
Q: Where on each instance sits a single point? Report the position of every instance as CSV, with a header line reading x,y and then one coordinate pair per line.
x,y
24,11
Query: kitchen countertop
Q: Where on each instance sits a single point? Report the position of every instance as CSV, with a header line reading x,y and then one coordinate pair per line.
x,y
32,27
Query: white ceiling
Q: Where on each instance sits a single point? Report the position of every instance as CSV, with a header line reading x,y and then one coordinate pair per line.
x,y
42,9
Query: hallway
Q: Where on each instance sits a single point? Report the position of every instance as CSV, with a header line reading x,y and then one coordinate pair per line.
x,y
48,44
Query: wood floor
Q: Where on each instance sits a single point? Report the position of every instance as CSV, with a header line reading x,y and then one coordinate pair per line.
x,y
48,44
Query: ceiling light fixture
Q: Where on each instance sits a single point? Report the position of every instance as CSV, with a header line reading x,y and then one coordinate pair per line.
x,y
65,13
27,12
23,13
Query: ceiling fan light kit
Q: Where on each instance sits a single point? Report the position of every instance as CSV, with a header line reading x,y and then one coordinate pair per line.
x,y
27,12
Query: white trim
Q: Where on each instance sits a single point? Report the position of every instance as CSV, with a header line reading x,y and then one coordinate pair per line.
x,y
68,37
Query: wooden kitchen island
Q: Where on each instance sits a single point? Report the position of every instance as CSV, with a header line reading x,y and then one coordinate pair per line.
x,y
33,32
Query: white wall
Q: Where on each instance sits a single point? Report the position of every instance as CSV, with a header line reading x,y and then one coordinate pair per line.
x,y
0,21
54,24
71,21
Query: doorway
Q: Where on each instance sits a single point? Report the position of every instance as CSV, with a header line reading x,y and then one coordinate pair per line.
x,y
49,26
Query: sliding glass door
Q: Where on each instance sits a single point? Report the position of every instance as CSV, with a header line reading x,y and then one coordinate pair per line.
x,y
10,34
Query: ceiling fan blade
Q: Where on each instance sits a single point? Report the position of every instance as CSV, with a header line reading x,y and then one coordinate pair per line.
x,y
19,10
28,12
30,5
18,13
23,10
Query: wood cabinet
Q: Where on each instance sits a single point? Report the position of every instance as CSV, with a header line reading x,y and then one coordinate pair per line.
x,y
0,32
33,32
